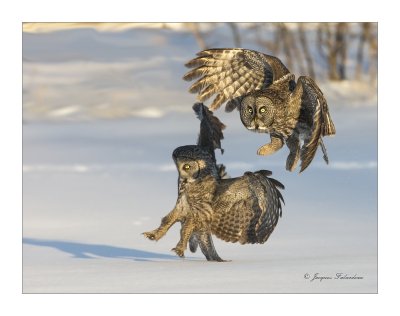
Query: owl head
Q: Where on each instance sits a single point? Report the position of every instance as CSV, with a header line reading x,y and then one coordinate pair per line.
x,y
257,112
193,162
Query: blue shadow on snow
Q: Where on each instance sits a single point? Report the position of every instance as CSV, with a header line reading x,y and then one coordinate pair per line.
x,y
89,251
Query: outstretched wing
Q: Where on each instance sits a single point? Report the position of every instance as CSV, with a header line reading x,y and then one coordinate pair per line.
x,y
311,93
248,208
231,73
315,112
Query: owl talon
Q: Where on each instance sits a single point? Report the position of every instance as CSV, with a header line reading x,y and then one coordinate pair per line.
x,y
150,235
179,252
265,150
268,149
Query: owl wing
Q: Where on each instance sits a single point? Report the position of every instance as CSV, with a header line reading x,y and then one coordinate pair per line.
x,y
247,208
315,112
204,240
210,128
210,134
231,73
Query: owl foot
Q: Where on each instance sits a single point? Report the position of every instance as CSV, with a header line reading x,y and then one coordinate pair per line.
x,y
152,235
266,150
178,251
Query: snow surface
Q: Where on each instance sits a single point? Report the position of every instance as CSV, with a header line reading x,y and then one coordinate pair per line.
x,y
102,115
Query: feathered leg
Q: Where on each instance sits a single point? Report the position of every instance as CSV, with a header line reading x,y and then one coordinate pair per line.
x,y
268,149
293,143
186,232
166,224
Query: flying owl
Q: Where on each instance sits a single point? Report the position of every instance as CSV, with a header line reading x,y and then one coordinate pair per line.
x,y
268,99
245,209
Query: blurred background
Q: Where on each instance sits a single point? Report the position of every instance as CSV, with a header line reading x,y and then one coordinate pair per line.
x,y
104,106
77,71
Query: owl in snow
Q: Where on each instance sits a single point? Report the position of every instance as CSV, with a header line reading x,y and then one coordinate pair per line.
x,y
245,209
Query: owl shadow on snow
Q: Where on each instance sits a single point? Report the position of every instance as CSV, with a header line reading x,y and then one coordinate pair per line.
x,y
92,251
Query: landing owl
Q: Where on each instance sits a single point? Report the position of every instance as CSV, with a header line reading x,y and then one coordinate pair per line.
x,y
245,209
268,99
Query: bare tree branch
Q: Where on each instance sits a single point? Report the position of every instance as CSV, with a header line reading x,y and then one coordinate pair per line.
x,y
305,49
341,49
235,32
284,36
195,28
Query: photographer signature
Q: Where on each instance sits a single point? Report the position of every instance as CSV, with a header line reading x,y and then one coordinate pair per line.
x,y
338,276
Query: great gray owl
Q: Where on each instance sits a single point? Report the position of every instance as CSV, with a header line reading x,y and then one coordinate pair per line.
x,y
269,100
244,209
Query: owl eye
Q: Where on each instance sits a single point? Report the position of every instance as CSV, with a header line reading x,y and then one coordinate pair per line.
x,y
263,109
249,110
186,167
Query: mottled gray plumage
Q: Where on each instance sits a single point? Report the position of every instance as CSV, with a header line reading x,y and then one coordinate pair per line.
x,y
268,99
244,209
